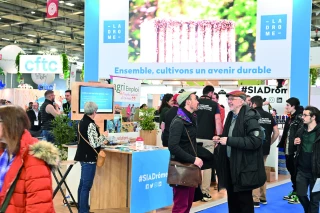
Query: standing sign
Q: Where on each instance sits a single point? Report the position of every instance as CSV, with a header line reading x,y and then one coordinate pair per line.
x,y
149,188
52,8
127,94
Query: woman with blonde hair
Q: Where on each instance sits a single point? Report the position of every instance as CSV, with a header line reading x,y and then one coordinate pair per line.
x,y
25,165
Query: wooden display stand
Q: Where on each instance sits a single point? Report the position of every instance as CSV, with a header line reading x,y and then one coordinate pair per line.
x,y
76,115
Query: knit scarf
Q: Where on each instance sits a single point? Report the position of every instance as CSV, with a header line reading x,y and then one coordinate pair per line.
x,y
4,166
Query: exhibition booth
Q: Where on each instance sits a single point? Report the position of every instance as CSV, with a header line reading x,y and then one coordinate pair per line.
x,y
134,54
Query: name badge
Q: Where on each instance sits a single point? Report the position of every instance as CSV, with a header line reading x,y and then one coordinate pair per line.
x,y
36,123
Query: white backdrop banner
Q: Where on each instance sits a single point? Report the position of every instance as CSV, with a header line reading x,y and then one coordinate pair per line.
x,y
146,41
47,64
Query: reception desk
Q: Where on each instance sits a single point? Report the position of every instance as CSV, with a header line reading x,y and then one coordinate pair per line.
x,y
128,180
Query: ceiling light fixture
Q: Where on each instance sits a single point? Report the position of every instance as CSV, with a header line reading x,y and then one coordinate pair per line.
x,y
82,44
53,50
32,12
40,52
60,31
6,39
77,13
61,2
70,4
31,35
30,41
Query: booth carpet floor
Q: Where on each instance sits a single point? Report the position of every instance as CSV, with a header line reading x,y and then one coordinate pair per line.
x,y
275,203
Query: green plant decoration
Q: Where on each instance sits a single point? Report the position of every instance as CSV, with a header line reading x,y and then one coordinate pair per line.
x,y
17,62
2,72
313,76
147,119
82,73
65,66
64,132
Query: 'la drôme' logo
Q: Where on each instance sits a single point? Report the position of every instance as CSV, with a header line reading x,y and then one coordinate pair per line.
x,y
114,31
273,27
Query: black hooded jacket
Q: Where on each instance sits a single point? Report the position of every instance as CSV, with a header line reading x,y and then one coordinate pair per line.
x,y
246,169
293,123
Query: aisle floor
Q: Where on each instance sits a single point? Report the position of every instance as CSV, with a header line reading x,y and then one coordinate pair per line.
x,y
217,198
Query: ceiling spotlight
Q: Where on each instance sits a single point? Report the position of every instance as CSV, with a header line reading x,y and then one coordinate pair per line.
x,y
54,50
40,52
6,39
60,31
31,35
70,4
32,12
61,2
72,35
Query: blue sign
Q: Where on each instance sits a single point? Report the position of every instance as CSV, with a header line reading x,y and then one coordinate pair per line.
x,y
273,27
114,31
149,188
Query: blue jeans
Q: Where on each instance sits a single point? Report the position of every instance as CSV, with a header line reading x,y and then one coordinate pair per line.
x,y
46,135
87,175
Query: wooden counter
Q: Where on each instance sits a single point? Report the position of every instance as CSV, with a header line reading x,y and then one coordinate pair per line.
x,y
112,182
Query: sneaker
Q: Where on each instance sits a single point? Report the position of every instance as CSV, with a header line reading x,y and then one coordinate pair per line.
x,y
289,196
294,200
264,202
206,197
256,204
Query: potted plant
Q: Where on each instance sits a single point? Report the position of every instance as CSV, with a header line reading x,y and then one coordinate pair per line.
x,y
148,128
64,132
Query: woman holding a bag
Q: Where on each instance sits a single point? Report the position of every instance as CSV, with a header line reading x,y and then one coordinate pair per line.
x,y
183,151
89,146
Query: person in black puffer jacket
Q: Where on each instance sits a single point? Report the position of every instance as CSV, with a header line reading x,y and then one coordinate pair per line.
x,y
183,149
293,123
239,154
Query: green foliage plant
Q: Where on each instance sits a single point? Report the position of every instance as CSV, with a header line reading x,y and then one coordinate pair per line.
x,y
63,133
147,119
65,66
17,63
313,76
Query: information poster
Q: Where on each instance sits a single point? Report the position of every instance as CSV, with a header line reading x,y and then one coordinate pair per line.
x,y
149,188
195,40
127,99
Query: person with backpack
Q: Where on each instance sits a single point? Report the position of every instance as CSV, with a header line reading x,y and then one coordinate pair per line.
x,y
239,154
271,134
293,123
307,159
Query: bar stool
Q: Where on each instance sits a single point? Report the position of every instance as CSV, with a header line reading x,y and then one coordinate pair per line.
x,y
70,164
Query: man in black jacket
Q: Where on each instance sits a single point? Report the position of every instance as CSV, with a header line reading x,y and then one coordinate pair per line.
x,y
240,166
272,133
293,123
308,159
35,120
209,124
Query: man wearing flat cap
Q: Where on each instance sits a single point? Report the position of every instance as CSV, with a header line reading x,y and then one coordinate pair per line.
x,y
240,166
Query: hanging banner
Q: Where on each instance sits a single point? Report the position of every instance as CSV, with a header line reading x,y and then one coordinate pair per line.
x,y
47,64
210,41
52,8
127,97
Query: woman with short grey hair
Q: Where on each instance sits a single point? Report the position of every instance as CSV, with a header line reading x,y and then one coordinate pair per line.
x,y
89,145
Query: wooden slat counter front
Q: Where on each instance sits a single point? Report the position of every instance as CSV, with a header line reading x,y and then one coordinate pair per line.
x,y
112,182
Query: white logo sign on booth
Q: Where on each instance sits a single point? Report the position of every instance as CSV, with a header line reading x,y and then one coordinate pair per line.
x,y
48,64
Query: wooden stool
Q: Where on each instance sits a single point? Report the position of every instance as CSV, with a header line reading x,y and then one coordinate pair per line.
x,y
70,164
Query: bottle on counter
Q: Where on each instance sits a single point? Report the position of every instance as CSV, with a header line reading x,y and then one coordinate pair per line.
x,y
139,143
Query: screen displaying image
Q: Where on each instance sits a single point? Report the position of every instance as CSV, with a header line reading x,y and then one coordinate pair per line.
x,y
176,31
102,96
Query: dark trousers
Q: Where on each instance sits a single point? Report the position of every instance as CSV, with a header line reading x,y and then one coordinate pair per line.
x,y
182,199
305,180
88,171
240,202
292,170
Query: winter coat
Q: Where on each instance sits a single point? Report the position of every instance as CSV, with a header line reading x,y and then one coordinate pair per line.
x,y
315,150
33,191
246,169
293,123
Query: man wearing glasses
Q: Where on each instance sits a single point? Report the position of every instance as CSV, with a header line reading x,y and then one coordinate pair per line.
x,y
240,165
308,159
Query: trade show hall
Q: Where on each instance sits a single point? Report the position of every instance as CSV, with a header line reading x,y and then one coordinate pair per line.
x,y
146,106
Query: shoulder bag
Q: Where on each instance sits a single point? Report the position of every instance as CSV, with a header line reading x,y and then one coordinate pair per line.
x,y
101,156
184,174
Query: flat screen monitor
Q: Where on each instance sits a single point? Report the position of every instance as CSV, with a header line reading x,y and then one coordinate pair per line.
x,y
102,96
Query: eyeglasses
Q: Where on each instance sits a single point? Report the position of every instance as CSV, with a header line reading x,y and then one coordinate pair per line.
x,y
304,115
